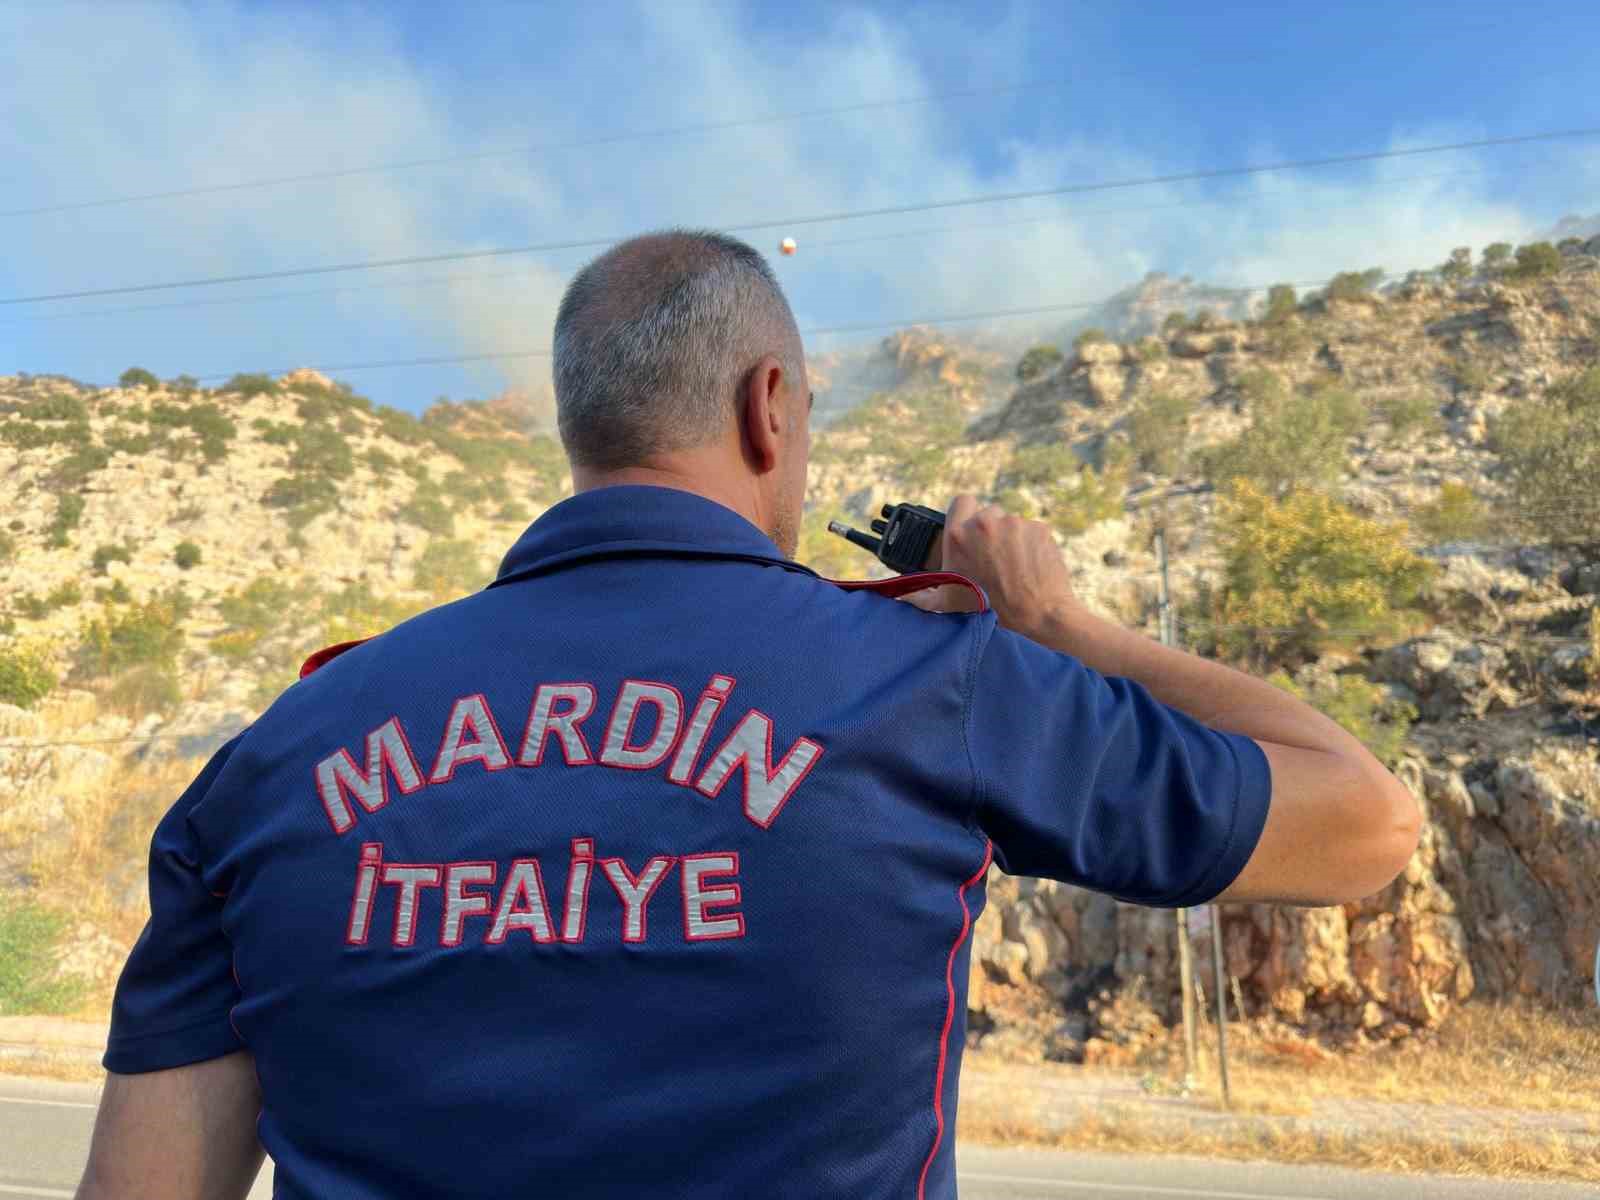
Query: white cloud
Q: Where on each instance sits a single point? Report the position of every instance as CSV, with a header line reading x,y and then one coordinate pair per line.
x,y
172,97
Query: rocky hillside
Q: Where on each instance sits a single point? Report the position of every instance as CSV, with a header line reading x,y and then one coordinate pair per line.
x,y
169,553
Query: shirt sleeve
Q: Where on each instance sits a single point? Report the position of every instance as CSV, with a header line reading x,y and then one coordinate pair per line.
x,y
177,989
1088,779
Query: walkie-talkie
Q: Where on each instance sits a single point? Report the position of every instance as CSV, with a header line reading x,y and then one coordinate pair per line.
x,y
906,533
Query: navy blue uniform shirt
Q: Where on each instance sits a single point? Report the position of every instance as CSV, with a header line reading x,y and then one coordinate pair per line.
x,y
648,871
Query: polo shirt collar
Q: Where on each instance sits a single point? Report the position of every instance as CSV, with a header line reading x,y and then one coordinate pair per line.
x,y
637,519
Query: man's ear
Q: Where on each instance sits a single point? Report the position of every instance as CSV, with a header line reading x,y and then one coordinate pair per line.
x,y
762,406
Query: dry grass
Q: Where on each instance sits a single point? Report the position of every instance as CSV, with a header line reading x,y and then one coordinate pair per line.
x,y
1512,1154
81,830
1490,1055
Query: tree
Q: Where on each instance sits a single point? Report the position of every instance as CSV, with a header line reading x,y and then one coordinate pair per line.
x,y
1535,261
1040,360
1496,256
1551,450
1304,574
25,674
1158,430
1458,266
1294,440
138,377
1282,304
1354,285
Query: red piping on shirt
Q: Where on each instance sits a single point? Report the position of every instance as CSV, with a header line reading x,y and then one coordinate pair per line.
x,y
327,654
903,585
950,1017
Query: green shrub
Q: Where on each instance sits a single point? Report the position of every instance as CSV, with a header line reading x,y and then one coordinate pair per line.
x,y
466,489
1411,412
427,510
275,433
59,406
1040,360
138,377
187,555
328,402
320,452
1364,709
8,547
1496,256
1458,266
1304,574
1158,429
1282,304
65,595
255,613
250,385
448,567
1293,440
304,497
69,512
1550,447
211,425
1098,496
381,462
511,510
357,612
184,384
401,426
1470,375
1535,261
117,593
1456,515
129,441
1174,323
1044,464
74,470
25,678
30,435
1260,387
1149,350
1354,285
29,935
140,634
1089,337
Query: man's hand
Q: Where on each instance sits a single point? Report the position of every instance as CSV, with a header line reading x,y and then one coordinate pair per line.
x,y
1015,561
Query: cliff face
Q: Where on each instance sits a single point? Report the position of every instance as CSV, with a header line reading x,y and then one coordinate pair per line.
x,y
311,515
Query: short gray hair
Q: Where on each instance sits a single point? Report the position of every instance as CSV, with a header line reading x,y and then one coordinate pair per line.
x,y
654,339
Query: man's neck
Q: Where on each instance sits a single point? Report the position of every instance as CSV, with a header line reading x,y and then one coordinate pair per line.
x,y
704,484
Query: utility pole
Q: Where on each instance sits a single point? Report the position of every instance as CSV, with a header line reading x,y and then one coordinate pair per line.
x,y
1219,982
1169,637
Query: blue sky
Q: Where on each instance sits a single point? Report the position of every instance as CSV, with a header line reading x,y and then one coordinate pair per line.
x,y
119,99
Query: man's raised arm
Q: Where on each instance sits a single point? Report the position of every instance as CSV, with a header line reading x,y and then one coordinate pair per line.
x,y
1339,826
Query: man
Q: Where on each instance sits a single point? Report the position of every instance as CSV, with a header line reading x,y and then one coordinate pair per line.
x,y
649,870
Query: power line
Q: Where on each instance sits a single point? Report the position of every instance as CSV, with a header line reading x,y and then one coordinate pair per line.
x,y
948,319
536,148
471,277
847,215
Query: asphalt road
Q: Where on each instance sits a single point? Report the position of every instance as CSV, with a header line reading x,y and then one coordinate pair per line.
x,y
45,1127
